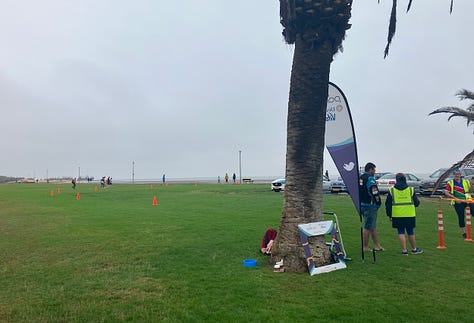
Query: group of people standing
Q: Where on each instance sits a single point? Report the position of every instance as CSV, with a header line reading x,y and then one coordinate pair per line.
x,y
226,178
400,207
105,181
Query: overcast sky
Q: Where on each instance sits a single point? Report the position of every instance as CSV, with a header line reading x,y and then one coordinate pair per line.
x,y
179,87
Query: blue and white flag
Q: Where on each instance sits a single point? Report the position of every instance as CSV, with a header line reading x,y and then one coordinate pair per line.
x,y
340,141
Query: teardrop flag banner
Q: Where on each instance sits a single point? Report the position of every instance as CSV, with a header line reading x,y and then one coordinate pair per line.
x,y
340,141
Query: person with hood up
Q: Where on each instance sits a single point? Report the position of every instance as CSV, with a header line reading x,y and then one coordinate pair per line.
x,y
400,208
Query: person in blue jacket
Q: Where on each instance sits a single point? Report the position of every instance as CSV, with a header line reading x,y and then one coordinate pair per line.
x,y
369,205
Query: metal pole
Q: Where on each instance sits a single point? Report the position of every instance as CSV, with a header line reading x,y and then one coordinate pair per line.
x,y
240,166
78,177
133,172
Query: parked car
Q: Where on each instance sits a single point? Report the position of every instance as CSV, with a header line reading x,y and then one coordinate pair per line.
x,y
378,175
427,185
388,180
27,181
338,186
326,184
279,184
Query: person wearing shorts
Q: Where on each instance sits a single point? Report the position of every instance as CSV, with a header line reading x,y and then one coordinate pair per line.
x,y
400,208
369,206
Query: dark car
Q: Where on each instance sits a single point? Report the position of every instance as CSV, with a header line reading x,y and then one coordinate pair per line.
x,y
337,186
427,185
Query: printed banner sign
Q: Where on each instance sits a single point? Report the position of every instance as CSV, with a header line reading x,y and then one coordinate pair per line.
x,y
316,229
340,141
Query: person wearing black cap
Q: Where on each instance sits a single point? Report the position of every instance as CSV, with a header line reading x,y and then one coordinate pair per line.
x,y
400,208
458,190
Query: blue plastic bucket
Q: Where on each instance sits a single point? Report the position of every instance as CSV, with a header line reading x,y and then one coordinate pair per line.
x,y
250,263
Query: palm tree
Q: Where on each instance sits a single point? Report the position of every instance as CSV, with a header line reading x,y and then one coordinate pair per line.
x,y
317,29
468,114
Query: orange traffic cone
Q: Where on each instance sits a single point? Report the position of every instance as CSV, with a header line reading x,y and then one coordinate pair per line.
x,y
59,190
155,202
78,196
96,188
468,224
440,230
52,192
151,186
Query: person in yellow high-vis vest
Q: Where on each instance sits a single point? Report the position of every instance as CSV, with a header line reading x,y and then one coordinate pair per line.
x,y
458,189
400,208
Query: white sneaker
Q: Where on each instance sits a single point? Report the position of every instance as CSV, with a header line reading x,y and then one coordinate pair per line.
x,y
279,263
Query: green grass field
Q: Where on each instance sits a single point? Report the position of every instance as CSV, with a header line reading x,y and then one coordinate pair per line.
x,y
113,256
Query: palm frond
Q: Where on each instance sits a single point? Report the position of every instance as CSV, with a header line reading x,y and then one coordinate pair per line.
x,y
409,5
456,112
468,160
465,94
391,27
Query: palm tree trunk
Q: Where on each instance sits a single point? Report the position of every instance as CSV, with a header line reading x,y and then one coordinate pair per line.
x,y
304,156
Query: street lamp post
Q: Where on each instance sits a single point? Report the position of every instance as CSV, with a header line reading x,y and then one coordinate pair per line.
x,y
240,166
133,172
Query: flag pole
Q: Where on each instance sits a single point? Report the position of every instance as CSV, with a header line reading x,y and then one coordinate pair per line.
x,y
361,238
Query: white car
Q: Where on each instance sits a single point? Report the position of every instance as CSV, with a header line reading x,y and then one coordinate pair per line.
x,y
279,184
388,180
326,184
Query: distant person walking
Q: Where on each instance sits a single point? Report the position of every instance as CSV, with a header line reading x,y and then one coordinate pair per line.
x,y
163,178
400,208
226,178
458,189
233,177
370,203
73,182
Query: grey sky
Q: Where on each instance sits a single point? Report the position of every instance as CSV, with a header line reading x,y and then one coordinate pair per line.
x,y
181,87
